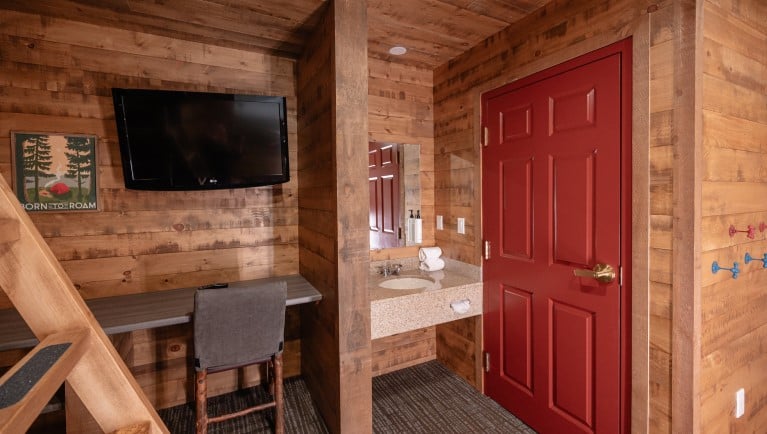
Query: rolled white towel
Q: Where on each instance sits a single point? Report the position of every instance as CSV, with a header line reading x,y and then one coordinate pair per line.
x,y
425,253
432,264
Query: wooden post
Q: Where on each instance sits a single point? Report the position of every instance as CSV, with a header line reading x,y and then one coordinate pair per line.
x,y
333,233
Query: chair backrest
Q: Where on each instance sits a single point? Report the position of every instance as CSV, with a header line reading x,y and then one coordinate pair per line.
x,y
240,325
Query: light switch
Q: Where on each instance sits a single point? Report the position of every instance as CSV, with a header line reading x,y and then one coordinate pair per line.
x,y
461,225
440,223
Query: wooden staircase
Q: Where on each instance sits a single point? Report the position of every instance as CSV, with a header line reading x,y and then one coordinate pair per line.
x,y
73,347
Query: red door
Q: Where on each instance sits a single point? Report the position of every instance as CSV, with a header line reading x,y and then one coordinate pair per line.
x,y
383,168
555,201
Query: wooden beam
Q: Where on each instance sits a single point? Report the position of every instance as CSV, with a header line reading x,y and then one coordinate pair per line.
x,y
44,367
686,198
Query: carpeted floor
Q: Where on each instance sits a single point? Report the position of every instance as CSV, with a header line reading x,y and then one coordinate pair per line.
x,y
426,399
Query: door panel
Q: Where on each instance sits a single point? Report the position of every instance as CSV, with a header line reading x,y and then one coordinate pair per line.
x,y
572,367
517,215
389,215
517,317
383,176
551,193
571,110
573,206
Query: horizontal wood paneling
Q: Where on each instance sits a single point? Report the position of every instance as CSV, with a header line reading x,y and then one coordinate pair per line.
x,y
144,241
403,350
400,110
459,347
56,75
734,327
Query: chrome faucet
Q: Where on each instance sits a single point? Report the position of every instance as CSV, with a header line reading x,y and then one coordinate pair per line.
x,y
390,269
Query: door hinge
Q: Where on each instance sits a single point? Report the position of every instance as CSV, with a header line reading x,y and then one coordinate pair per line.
x,y
487,250
485,136
486,361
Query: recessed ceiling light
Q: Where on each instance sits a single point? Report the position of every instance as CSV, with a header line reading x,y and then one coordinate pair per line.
x,y
397,50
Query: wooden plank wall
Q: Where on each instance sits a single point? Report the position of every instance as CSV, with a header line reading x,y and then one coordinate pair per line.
x,y
318,214
333,234
558,32
56,75
734,325
400,110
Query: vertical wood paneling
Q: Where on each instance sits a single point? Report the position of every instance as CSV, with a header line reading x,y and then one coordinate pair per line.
x,y
734,327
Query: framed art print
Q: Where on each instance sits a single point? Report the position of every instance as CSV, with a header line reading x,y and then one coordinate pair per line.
x,y
54,171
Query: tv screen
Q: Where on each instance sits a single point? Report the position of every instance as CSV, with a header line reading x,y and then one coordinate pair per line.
x,y
197,141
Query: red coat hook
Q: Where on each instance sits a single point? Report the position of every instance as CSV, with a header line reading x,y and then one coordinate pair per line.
x,y
750,231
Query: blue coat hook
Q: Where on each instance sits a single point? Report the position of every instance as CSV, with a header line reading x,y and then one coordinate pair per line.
x,y
734,270
749,258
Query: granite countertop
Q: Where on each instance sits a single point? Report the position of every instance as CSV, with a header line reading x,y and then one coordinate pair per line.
x,y
456,293
442,279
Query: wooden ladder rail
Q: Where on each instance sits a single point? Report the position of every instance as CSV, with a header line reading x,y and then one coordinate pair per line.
x,y
44,296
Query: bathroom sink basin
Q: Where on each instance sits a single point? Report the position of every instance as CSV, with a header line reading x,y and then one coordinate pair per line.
x,y
406,283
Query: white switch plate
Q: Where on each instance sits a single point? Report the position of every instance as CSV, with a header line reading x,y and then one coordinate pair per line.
x,y
440,223
740,403
461,225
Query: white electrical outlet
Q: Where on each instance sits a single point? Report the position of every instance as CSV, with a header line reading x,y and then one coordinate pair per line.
x,y
740,403
440,223
461,225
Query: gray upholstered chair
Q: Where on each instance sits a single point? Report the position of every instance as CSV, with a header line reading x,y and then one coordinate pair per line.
x,y
236,327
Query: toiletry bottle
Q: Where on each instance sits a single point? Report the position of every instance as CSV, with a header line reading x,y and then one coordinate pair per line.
x,y
418,228
410,229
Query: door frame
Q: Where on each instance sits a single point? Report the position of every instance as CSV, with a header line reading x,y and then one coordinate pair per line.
x,y
636,310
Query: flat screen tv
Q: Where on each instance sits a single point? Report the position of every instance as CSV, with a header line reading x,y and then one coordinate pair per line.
x,y
198,141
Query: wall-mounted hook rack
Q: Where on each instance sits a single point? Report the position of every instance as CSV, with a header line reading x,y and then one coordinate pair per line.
x,y
734,269
750,231
750,258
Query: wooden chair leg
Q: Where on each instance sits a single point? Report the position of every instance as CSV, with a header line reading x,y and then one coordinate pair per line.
x,y
201,400
279,410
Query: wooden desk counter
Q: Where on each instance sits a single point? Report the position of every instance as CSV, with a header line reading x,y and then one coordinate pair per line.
x,y
146,310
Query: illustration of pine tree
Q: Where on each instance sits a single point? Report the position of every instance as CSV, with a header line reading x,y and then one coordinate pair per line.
x,y
80,161
37,160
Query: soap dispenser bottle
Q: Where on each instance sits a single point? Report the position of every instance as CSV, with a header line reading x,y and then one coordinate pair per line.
x,y
410,229
418,230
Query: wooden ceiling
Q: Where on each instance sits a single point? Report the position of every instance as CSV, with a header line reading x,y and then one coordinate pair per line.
x,y
434,31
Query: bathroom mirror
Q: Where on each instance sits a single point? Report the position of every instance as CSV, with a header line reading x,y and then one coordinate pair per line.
x,y
395,189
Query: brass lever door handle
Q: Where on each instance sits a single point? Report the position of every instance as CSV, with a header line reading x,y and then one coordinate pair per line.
x,y
601,272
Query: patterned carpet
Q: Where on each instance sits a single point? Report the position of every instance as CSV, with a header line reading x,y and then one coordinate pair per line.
x,y
426,399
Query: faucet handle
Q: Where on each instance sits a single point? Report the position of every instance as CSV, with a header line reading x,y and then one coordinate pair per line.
x,y
395,268
384,269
